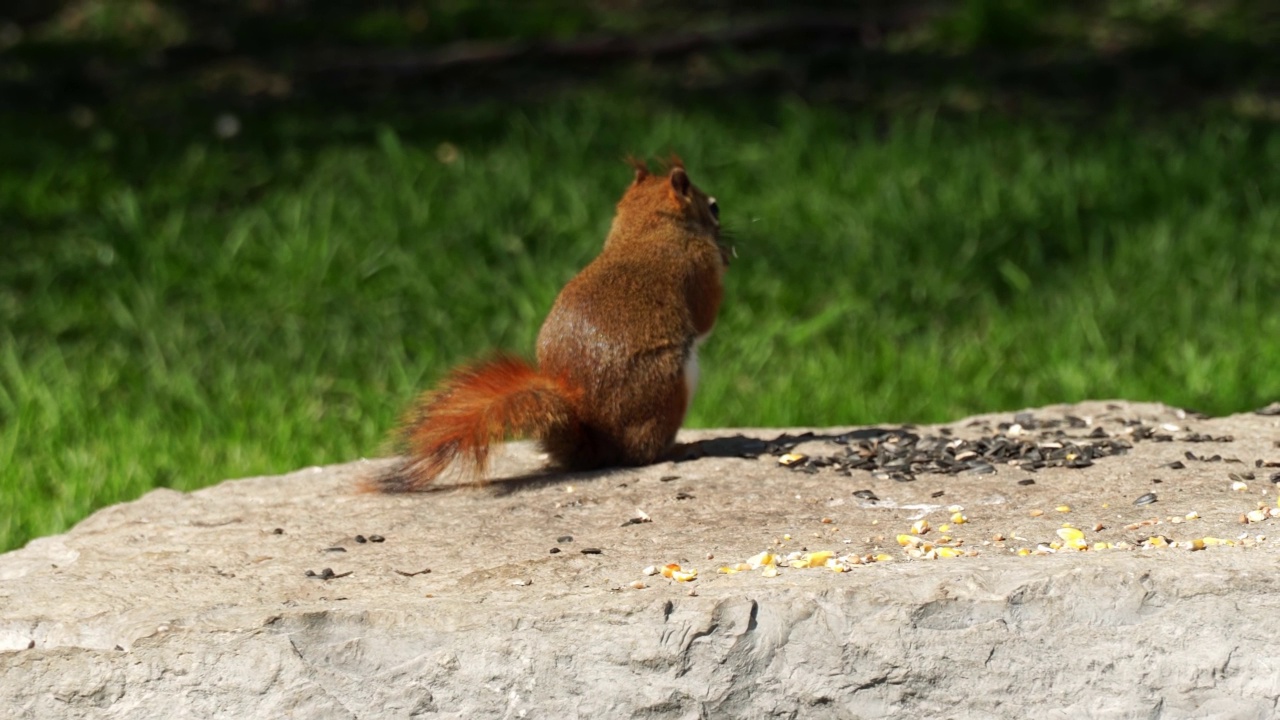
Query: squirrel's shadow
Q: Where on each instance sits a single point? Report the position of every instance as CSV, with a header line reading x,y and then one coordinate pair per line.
x,y
731,446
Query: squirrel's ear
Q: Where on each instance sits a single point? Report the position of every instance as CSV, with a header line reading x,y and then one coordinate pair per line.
x,y
642,170
680,182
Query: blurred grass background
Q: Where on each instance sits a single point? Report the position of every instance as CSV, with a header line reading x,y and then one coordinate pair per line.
x,y
238,238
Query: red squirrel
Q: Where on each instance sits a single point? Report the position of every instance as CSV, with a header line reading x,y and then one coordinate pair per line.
x,y
617,355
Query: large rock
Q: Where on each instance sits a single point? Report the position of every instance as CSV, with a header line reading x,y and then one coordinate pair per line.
x,y
203,605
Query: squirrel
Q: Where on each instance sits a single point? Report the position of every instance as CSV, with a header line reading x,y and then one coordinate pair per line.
x,y
617,356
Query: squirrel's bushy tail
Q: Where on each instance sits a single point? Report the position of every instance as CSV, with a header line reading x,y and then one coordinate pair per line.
x,y
475,407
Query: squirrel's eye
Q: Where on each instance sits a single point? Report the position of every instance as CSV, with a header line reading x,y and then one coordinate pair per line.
x,y
714,208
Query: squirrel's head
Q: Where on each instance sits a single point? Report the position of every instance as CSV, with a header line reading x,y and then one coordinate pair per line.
x,y
672,197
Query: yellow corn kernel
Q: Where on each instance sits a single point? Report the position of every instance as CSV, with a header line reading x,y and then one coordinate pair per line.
x,y
670,569
761,559
1102,546
959,518
909,540
920,527
818,559
946,552
1063,508
684,575
1072,538
882,557
770,571
1023,552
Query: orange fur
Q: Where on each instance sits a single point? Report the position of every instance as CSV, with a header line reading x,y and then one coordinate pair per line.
x,y
474,408
609,387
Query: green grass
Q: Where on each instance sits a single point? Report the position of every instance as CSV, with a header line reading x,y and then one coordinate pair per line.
x,y
173,315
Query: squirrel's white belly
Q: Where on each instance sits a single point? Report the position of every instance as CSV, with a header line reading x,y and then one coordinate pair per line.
x,y
691,370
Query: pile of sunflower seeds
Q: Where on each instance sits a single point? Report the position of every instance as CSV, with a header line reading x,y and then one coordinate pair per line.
x,y
1027,443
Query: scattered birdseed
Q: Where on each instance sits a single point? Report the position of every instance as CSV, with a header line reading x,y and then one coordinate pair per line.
x,y
638,585
1145,499
641,517
1037,512
327,574
901,454
1072,538
1255,516
554,550
811,560
565,539
1142,523
675,572
361,539
792,459
1026,481
1063,508
591,551
1239,486
377,539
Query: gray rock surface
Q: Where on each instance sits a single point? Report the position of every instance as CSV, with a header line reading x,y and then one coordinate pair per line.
x,y
198,605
